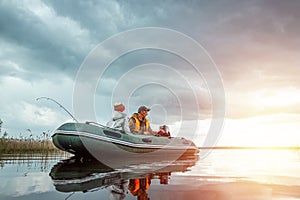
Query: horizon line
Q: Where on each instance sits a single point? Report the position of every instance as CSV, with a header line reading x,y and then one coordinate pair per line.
x,y
253,147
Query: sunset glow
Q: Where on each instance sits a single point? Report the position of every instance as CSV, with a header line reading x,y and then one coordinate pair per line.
x,y
280,98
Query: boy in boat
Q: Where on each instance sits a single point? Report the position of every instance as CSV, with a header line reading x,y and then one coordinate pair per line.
x,y
139,124
119,119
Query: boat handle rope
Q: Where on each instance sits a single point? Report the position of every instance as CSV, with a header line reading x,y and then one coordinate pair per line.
x,y
90,122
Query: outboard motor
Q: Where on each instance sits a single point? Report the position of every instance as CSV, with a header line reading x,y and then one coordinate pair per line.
x,y
164,131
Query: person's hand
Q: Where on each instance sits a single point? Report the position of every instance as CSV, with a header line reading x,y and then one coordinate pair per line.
x,y
162,131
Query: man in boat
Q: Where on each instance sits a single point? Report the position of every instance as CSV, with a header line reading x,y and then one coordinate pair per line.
x,y
119,119
139,124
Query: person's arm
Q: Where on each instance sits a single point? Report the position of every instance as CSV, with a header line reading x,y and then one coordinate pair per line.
x,y
150,131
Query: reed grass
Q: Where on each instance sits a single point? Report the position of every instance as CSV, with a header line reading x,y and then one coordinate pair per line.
x,y
26,144
17,146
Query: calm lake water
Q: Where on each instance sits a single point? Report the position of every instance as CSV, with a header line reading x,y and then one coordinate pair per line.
x,y
222,175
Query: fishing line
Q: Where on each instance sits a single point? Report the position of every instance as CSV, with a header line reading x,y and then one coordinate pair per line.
x,y
50,99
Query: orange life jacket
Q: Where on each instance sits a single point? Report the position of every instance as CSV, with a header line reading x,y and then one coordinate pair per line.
x,y
137,185
137,127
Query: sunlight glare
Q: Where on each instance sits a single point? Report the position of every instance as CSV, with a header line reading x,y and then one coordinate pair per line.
x,y
280,98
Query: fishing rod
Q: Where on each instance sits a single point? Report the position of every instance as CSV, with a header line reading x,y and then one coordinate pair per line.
x,y
47,98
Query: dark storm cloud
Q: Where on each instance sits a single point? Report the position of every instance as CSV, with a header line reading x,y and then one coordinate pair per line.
x,y
102,18
232,31
48,44
258,39
255,44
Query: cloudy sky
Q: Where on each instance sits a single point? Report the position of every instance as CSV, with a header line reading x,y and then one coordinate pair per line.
x,y
253,48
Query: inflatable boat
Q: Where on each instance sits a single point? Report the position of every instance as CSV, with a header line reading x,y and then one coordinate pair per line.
x,y
102,142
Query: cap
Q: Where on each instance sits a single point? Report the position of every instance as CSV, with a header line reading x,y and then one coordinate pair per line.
x,y
118,104
119,107
142,108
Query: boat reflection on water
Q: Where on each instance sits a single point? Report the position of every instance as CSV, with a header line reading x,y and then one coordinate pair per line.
x,y
134,177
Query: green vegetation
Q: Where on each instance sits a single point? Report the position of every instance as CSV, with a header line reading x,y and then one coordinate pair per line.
x,y
13,146
27,145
